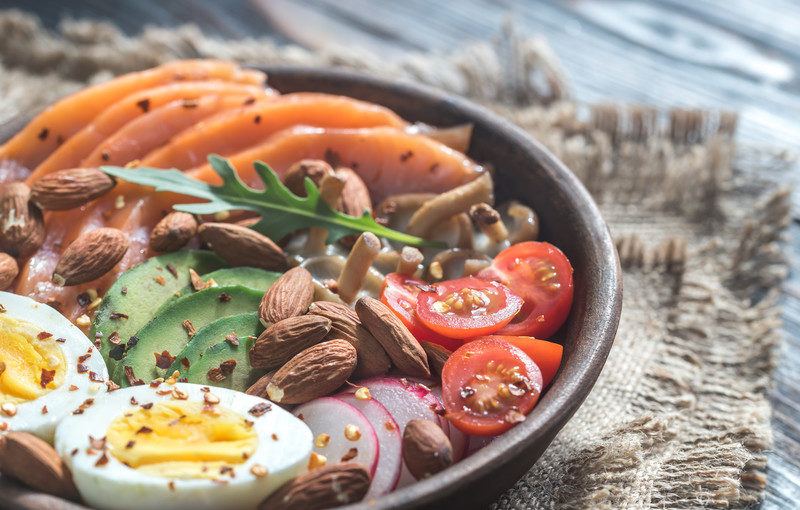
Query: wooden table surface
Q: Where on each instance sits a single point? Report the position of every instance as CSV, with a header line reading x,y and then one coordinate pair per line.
x,y
741,55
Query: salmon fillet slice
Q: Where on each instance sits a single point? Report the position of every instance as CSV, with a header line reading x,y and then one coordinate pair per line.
x,y
59,122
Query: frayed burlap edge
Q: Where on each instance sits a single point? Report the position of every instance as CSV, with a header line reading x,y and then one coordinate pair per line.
x,y
680,417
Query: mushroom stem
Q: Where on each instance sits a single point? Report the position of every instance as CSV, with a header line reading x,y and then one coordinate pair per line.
x,y
410,259
357,265
457,200
489,221
330,189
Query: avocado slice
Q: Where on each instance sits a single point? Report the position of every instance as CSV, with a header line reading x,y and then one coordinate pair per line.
x,y
250,277
208,349
133,299
167,332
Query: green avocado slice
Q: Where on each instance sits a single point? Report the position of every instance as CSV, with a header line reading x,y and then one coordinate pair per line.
x,y
250,277
169,330
134,298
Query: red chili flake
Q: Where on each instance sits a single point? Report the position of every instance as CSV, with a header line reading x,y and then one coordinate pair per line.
x,y
74,452
84,406
164,392
147,406
257,119
131,377
160,280
171,485
134,402
260,409
224,297
97,443
189,328
44,410
115,316
205,389
111,386
43,335
72,387
94,377
84,357
249,423
144,104
102,461
61,340
406,155
82,369
130,444
164,360
144,430
232,339
215,375
190,103
274,436
172,270
43,134
227,470
105,156
183,379
47,377
227,366
249,101
350,455
114,338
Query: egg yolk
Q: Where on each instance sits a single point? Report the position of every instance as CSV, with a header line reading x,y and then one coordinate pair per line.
x,y
179,439
31,361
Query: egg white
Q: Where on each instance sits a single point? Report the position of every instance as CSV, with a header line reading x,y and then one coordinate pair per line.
x,y
115,486
60,401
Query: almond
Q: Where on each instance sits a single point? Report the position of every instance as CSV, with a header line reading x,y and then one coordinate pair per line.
x,y
21,224
259,388
314,169
426,448
90,256
355,199
437,356
315,372
71,188
8,270
241,246
284,339
395,338
35,463
325,487
289,296
345,324
173,232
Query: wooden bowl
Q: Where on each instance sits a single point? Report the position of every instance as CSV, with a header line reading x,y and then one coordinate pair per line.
x,y
526,171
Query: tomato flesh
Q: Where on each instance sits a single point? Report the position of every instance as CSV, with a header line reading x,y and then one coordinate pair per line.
x,y
488,386
546,355
467,307
400,295
542,276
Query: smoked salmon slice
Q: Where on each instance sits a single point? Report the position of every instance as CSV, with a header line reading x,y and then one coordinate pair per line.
x,y
60,121
231,134
81,144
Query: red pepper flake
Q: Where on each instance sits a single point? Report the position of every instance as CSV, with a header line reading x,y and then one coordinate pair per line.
x,y
144,430
134,402
82,369
131,377
147,406
114,338
189,328
155,383
47,377
130,444
84,406
406,155
84,357
105,156
257,119
185,362
260,409
190,103
164,392
43,335
232,339
249,101
224,297
274,436
74,452
227,366
94,377
249,423
97,444
72,387
61,340
171,485
144,104
172,270
227,470
43,134
164,360
44,410
111,386
160,280
350,455
102,461
215,375
115,316
205,389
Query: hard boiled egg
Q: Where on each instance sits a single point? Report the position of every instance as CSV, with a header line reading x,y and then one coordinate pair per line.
x,y
48,368
177,446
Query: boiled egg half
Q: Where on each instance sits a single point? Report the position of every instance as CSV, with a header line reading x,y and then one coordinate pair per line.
x,y
48,368
176,446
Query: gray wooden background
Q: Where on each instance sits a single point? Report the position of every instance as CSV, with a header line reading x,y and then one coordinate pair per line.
x,y
736,54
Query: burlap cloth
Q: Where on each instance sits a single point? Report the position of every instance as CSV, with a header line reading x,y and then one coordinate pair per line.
x,y
679,417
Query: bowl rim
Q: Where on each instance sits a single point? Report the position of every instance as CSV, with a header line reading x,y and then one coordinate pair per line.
x,y
547,420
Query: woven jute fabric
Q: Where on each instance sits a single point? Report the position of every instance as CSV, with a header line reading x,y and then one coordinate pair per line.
x,y
679,417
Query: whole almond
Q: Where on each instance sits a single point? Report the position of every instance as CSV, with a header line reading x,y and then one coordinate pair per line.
x,y
326,487
345,324
314,169
289,296
281,341
8,270
395,338
173,231
259,388
21,222
71,188
315,372
355,199
426,448
90,256
36,464
437,356
242,246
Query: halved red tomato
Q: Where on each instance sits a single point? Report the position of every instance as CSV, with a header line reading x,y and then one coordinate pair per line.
x,y
467,307
542,275
488,386
546,355
400,295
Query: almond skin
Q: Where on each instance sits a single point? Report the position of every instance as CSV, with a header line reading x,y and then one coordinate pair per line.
x,y
395,338
242,246
173,232
355,199
314,169
8,270
90,256
437,356
35,463
345,324
285,339
288,297
426,448
326,487
315,372
21,222
71,188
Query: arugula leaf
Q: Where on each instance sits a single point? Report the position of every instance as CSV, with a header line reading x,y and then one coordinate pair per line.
x,y
282,212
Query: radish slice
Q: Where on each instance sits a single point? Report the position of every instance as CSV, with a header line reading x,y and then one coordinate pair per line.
x,y
390,459
458,439
333,417
475,443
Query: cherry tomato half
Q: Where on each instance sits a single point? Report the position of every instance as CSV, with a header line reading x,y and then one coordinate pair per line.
x,y
488,386
542,275
546,355
400,295
467,307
